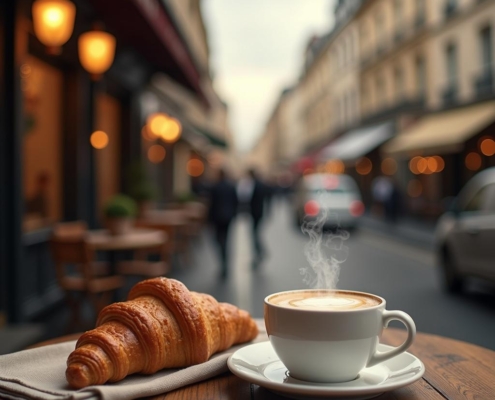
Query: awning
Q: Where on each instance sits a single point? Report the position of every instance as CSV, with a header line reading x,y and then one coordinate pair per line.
x,y
146,26
357,143
444,132
214,139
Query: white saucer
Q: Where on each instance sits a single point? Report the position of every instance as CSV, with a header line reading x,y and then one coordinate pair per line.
x,y
258,363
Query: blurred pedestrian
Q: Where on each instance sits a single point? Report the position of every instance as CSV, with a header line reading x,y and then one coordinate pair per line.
x,y
245,187
256,208
393,205
223,209
381,190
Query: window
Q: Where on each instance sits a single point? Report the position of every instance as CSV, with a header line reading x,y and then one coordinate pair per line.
x,y
398,18
421,77
380,31
380,90
420,13
486,46
42,143
450,8
399,84
451,59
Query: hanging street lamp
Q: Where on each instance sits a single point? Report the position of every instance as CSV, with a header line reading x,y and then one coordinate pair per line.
x,y
53,22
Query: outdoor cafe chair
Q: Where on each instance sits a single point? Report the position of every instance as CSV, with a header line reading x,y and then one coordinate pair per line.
x,y
75,273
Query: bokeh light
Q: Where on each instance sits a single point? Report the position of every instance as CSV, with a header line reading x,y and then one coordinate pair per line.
x,y
167,128
334,167
173,131
413,165
157,123
422,165
389,166
156,153
195,167
364,166
145,133
440,163
99,140
487,147
473,161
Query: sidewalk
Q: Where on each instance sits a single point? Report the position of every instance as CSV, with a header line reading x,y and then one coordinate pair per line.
x,y
417,233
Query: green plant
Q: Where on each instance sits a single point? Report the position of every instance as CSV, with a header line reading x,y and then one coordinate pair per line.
x,y
140,186
185,197
121,206
143,191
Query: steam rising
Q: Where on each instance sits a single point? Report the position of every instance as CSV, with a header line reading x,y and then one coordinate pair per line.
x,y
324,252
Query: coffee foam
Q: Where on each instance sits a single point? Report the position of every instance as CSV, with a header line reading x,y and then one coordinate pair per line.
x,y
325,301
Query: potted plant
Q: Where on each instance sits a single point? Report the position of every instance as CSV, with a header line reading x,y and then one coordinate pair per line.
x,y
141,188
144,194
119,213
185,197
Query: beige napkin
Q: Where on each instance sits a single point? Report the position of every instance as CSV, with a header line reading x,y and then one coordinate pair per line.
x,y
40,374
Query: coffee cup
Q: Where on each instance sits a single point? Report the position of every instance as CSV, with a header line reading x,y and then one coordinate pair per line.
x,y
330,335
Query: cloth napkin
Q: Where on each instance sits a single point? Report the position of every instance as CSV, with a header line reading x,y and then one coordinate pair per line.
x,y
40,374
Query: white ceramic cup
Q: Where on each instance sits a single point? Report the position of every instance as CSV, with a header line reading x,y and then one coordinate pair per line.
x,y
331,346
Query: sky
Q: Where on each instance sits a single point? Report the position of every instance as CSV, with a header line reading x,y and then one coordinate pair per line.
x,y
256,50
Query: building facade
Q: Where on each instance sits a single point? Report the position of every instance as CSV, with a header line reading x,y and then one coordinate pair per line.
x,y
51,169
414,80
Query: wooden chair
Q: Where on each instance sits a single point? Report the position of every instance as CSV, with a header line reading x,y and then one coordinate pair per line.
x,y
142,267
70,229
82,283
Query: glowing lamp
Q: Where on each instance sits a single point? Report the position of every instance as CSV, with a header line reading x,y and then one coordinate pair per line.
x,y
172,131
488,147
156,154
53,22
473,161
99,140
96,52
364,166
195,167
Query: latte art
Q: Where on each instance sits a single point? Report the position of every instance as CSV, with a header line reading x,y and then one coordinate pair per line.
x,y
321,301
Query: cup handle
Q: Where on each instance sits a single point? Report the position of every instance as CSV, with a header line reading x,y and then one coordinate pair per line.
x,y
388,316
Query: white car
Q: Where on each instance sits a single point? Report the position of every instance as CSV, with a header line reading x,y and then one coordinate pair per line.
x,y
465,235
333,197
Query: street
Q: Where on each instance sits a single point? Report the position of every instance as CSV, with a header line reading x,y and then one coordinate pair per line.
x,y
405,275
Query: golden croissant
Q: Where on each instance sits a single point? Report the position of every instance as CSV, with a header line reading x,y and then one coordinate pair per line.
x,y
161,325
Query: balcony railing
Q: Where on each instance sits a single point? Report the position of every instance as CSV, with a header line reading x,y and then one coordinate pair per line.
x,y
449,95
483,84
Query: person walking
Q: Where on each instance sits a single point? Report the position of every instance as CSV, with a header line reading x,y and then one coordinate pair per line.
x,y
223,209
256,208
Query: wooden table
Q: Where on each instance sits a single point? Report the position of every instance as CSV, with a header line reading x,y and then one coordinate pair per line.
x,y
454,370
138,238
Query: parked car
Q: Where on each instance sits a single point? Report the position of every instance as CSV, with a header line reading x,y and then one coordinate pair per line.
x,y
333,197
465,235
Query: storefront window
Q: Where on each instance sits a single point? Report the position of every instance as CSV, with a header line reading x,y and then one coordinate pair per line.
x,y
107,158
41,85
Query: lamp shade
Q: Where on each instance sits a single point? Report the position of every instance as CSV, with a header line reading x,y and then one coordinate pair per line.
x,y
96,51
53,22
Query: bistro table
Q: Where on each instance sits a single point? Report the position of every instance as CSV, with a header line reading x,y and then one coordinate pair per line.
x,y
174,222
454,370
136,239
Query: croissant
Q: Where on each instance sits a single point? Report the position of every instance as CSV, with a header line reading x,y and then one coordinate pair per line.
x,y
161,325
